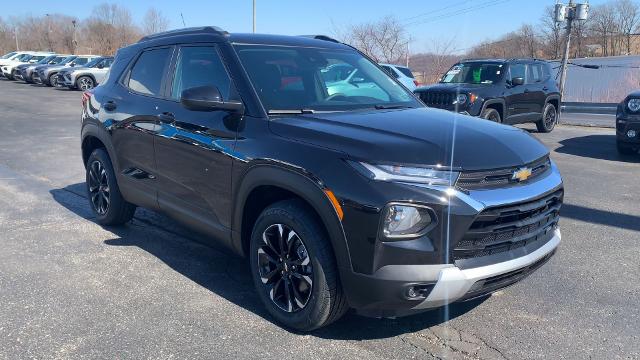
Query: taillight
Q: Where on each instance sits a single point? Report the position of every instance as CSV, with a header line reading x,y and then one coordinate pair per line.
x,y
86,96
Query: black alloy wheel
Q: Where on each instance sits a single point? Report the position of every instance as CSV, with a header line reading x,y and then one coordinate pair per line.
x,y
99,191
549,119
285,268
106,201
491,115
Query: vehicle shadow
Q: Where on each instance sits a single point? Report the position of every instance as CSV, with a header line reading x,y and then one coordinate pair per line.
x,y
228,276
601,147
595,216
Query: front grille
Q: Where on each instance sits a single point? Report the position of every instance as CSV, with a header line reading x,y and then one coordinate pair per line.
x,y
505,228
437,99
500,178
495,283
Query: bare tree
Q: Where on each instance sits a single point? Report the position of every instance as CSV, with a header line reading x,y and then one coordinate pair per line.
x,y
154,22
603,25
551,33
110,27
628,15
529,40
384,40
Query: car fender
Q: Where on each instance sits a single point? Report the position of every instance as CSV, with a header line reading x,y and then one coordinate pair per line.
x,y
303,185
91,128
494,101
553,97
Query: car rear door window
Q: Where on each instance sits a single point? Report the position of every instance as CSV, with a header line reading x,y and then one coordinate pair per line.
x,y
147,73
200,66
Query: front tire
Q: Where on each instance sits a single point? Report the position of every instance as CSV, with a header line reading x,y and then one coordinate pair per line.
x,y
491,115
549,119
53,80
105,199
85,83
294,269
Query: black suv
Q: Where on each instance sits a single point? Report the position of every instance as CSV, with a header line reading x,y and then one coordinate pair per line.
x,y
360,199
628,124
506,91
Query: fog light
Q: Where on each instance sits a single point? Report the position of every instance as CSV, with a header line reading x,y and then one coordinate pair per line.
x,y
631,133
405,221
421,291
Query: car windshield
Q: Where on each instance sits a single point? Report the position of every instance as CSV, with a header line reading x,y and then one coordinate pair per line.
x,y
6,56
292,78
57,60
93,62
67,60
24,57
46,59
474,73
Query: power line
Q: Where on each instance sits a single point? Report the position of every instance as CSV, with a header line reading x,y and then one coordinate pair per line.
x,y
436,11
450,14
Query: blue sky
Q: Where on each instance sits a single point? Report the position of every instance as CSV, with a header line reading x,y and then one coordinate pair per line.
x,y
465,21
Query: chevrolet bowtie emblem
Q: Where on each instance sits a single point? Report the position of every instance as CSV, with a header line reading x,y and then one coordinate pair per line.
x,y
522,174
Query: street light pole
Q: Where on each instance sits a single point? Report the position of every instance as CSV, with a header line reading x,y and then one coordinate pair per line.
x,y
15,31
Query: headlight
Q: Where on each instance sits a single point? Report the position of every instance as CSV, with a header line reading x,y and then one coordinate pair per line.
x,y
634,105
410,174
461,99
406,220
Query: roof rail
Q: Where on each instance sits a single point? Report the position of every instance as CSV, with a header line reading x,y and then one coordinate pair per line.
x,y
186,31
322,37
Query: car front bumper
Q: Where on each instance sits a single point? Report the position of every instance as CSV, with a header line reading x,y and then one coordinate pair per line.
x,y
385,292
624,123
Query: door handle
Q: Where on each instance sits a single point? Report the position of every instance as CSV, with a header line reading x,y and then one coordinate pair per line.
x,y
166,118
110,105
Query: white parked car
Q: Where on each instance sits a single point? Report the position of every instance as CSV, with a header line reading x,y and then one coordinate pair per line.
x,y
8,68
14,56
86,77
403,74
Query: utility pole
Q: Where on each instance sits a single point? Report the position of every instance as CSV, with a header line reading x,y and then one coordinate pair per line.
x,y
15,31
254,16
569,13
74,41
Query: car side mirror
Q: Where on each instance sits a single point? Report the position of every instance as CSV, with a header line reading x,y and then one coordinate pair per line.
x,y
100,66
208,98
517,81
72,64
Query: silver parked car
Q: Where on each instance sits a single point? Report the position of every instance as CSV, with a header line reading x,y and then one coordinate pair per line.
x,y
86,77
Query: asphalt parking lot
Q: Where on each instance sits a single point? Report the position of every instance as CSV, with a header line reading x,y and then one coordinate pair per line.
x,y
72,289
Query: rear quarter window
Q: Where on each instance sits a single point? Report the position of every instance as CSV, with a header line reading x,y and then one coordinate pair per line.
x,y
405,71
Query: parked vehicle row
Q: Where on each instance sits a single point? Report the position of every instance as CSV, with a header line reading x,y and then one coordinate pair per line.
x,y
82,72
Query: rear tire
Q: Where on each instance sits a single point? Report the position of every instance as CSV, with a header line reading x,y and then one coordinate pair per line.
x,y
299,285
549,119
491,115
625,149
103,192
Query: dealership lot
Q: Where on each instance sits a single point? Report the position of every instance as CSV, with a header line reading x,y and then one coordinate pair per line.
x,y
71,289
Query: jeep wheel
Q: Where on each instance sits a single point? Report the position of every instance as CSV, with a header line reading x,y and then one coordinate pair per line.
x,y
625,149
85,83
549,119
491,115
104,194
294,269
53,80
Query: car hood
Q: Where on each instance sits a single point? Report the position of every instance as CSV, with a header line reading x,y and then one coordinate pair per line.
x,y
453,88
420,136
51,67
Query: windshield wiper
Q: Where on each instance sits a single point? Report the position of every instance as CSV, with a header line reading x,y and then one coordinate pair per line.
x,y
386,107
290,112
